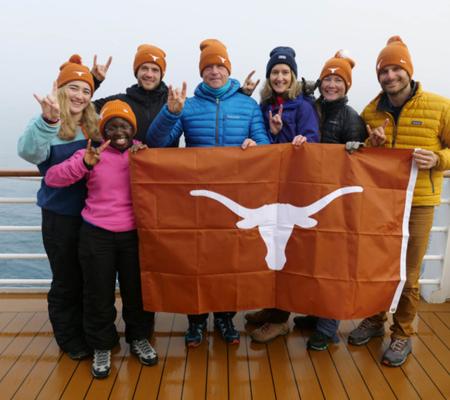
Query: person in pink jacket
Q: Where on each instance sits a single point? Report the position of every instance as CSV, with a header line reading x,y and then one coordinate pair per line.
x,y
108,239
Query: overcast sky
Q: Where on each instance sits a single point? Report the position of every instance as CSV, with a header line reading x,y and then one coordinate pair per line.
x,y
38,36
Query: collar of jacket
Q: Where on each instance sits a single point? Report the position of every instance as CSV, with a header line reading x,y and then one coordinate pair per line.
x,y
326,105
234,87
385,105
141,95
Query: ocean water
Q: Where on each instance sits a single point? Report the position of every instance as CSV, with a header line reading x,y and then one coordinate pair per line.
x,y
21,242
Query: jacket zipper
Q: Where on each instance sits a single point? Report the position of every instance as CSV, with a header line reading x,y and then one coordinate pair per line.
x,y
217,122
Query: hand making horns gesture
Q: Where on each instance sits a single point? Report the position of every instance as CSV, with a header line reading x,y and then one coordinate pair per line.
x,y
99,71
176,99
275,121
92,154
377,135
249,86
50,105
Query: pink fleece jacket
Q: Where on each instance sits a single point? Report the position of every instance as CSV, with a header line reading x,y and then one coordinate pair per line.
x,y
108,203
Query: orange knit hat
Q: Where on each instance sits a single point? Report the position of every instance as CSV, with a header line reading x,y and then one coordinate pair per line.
x,y
395,53
340,65
116,109
74,70
147,53
213,52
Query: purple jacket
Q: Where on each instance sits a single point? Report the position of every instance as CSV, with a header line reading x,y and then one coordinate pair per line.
x,y
108,203
299,118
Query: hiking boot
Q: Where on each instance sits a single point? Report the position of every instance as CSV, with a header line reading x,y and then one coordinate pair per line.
x,y
144,351
79,354
305,322
258,317
194,335
269,331
227,330
318,341
101,364
397,352
365,331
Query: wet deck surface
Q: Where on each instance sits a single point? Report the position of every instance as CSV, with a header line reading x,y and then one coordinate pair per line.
x,y
32,367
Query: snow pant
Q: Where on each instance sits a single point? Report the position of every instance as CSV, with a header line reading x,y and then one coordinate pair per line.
x,y
60,234
105,255
200,318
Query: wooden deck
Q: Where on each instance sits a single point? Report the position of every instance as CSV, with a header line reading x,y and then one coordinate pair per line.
x,y
32,367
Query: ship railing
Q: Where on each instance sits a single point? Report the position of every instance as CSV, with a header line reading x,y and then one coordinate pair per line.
x,y
42,285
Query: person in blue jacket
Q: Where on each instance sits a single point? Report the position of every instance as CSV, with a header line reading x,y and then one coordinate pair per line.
x,y
67,120
217,115
291,118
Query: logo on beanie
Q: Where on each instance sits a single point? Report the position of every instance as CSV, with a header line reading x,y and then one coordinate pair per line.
x,y
333,70
222,60
154,57
125,110
379,64
402,61
80,73
282,57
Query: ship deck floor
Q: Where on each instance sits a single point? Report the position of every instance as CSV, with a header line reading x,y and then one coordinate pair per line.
x,y
33,367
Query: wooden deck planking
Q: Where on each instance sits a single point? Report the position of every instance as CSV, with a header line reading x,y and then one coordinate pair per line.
x,y
18,372
31,365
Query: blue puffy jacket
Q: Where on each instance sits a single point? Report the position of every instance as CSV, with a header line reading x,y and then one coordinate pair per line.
x,y
299,118
208,121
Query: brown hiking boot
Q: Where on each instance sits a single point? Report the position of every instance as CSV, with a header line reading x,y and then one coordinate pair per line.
x,y
269,331
259,317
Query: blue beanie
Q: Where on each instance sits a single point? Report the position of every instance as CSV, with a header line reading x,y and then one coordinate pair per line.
x,y
282,55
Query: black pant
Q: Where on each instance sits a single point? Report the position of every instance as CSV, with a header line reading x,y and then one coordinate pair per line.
x,y
103,255
200,318
60,234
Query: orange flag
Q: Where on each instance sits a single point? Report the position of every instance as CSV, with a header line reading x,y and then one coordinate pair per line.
x,y
312,229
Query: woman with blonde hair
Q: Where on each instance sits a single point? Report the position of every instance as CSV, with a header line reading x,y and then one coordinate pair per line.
x,y
289,116
67,120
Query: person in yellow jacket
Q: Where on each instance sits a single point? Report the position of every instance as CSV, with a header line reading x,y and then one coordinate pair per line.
x,y
405,116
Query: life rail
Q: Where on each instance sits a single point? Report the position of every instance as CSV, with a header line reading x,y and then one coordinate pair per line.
x,y
33,285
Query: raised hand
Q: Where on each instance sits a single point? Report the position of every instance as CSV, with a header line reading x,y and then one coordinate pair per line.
x,y
138,146
176,99
377,135
249,86
275,121
99,71
298,140
50,105
92,154
248,143
425,159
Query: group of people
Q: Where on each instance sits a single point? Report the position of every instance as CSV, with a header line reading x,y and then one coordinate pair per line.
x,y
88,225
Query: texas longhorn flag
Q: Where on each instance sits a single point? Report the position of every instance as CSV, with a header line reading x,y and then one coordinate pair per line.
x,y
313,229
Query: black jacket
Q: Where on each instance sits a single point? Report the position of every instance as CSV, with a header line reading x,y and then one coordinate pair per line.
x,y
145,105
339,123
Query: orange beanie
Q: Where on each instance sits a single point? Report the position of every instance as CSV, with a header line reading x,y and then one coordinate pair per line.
x,y
116,109
213,52
340,65
74,70
147,53
395,53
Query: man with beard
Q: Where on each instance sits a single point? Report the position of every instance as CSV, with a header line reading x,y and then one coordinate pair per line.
x,y
149,94
405,116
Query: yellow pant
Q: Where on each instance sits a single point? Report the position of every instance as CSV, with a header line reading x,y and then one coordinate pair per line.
x,y
420,223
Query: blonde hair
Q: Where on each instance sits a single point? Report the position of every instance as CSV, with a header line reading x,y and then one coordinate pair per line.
x,y
89,119
268,95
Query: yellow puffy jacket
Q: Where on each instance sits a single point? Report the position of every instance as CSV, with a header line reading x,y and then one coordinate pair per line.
x,y
424,122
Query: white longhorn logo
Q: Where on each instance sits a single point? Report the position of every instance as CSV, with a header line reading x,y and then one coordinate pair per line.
x,y
276,221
